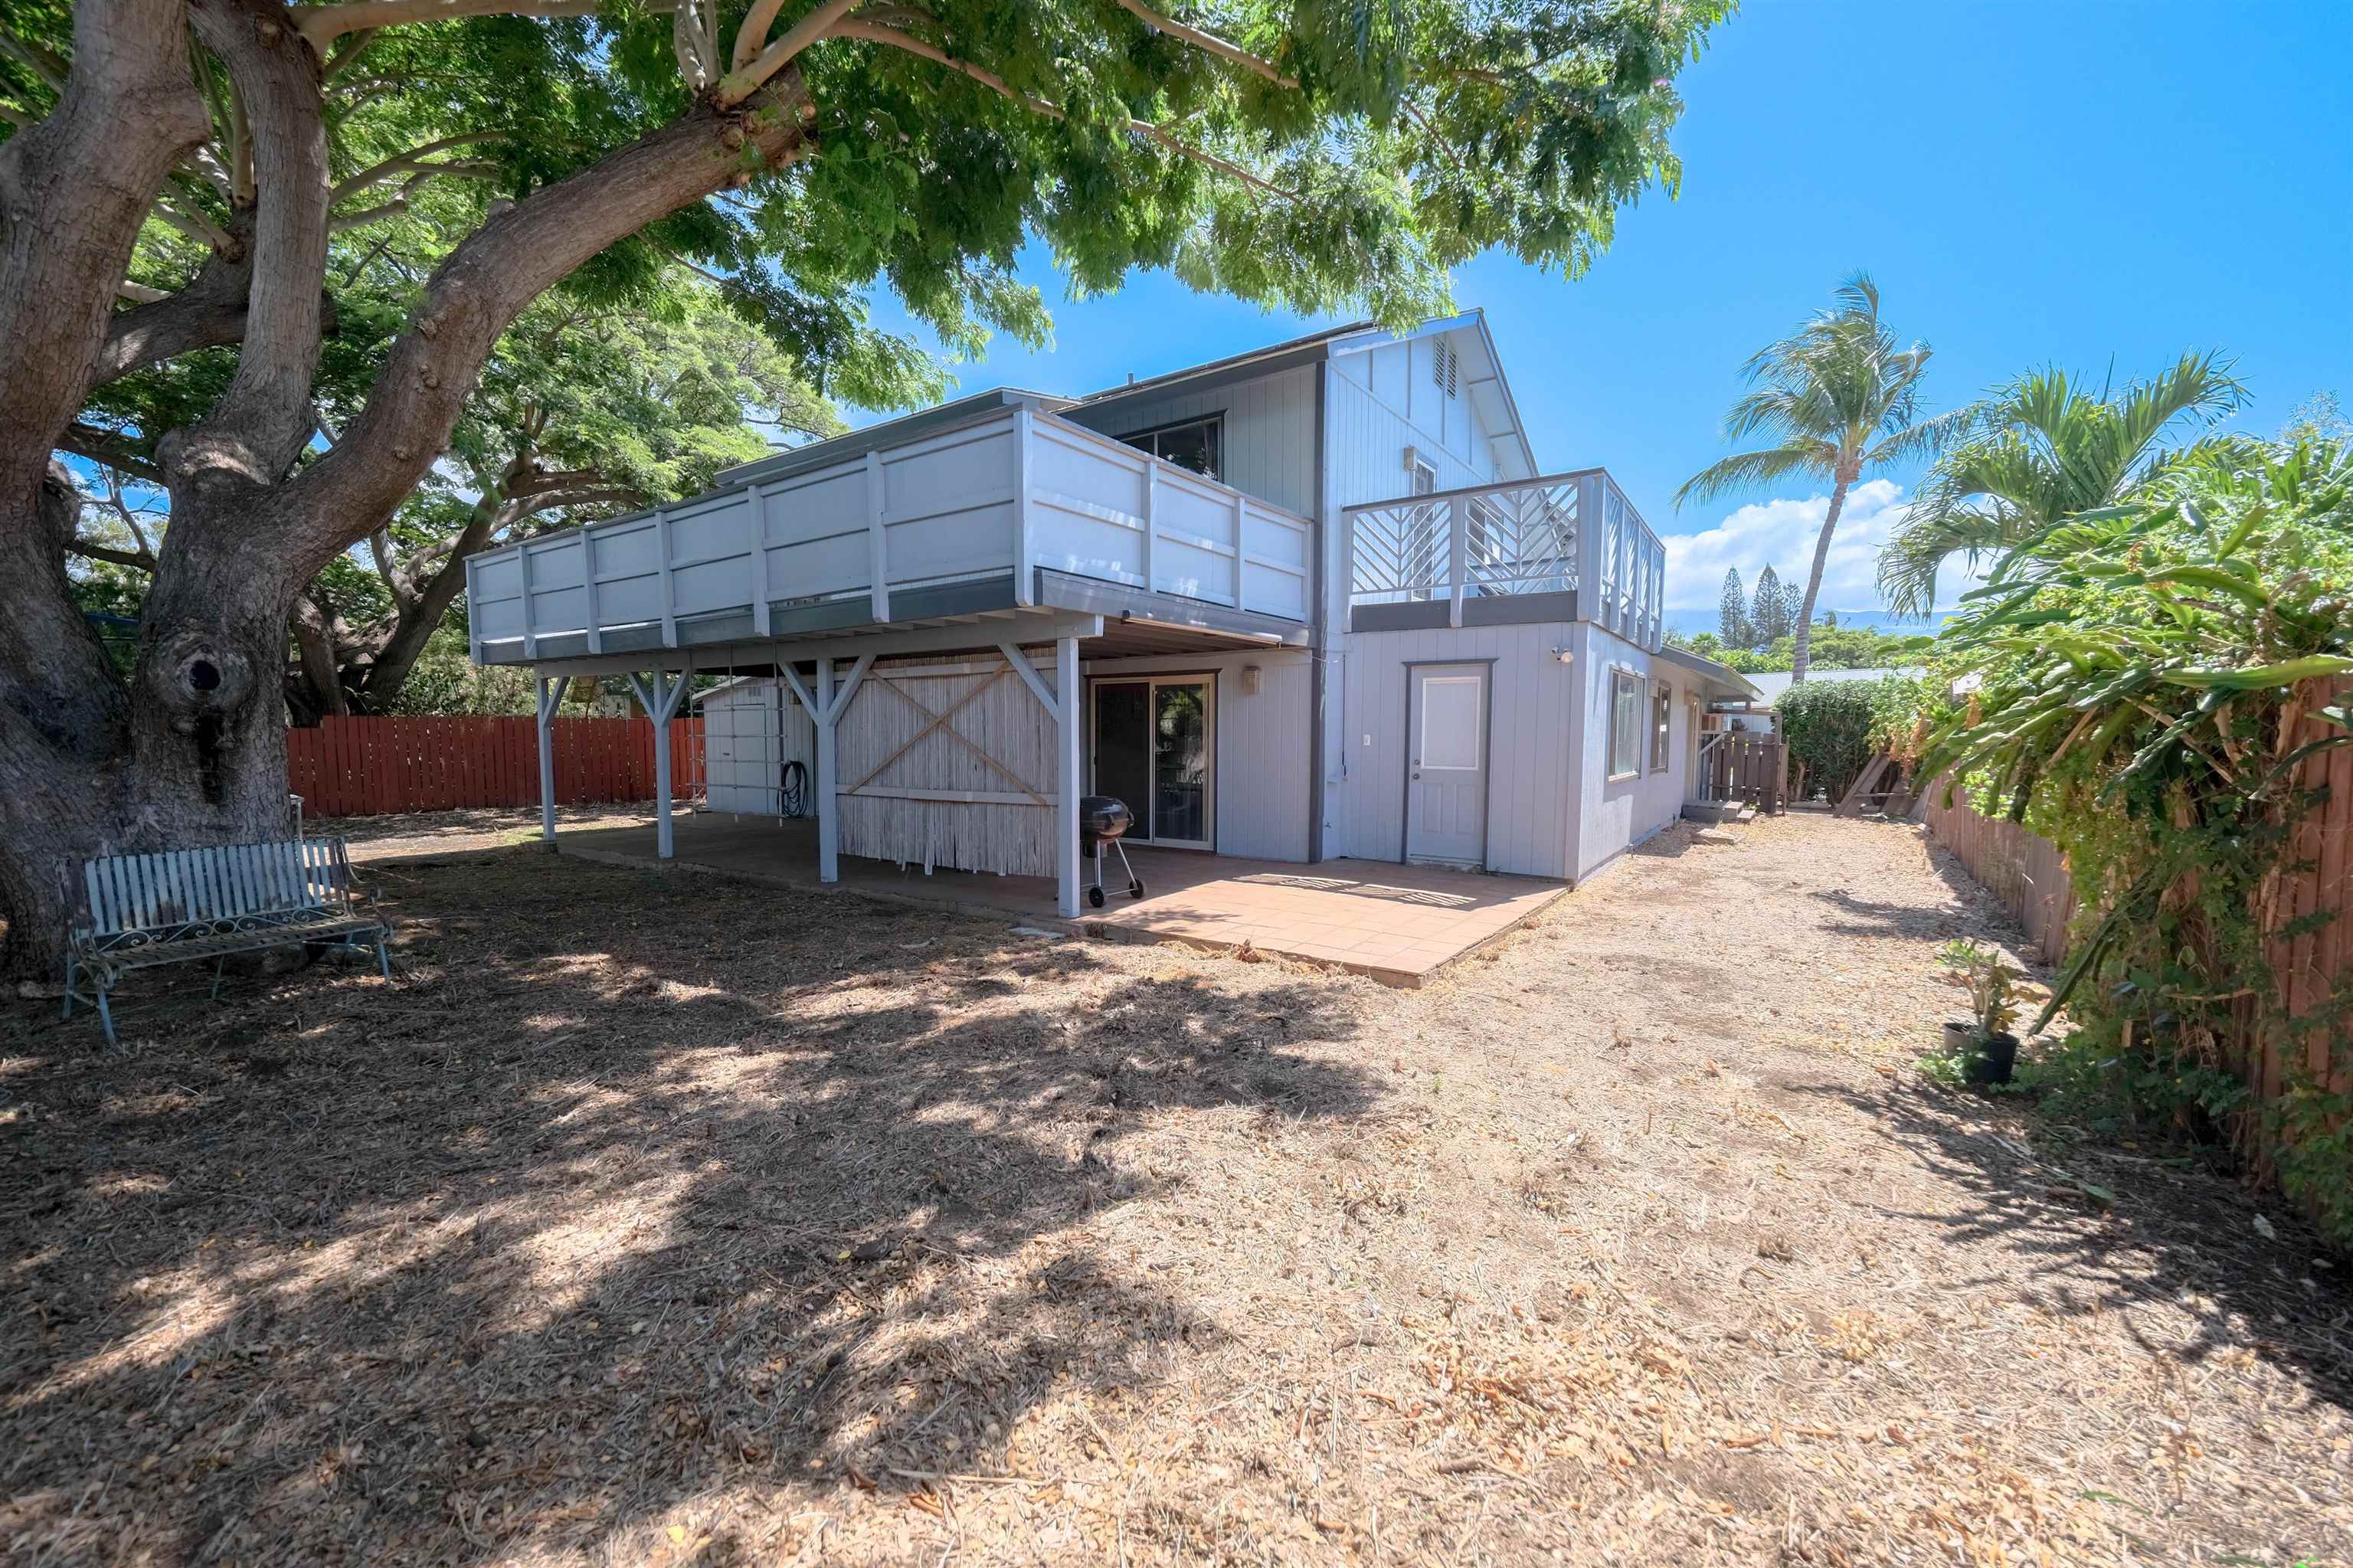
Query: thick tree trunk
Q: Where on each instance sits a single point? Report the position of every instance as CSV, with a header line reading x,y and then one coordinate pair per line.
x,y
1802,647
194,750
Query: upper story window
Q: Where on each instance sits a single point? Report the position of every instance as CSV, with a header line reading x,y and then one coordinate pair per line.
x,y
1196,444
1425,476
1662,710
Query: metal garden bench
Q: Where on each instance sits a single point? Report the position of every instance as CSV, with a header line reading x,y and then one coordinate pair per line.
x,y
187,906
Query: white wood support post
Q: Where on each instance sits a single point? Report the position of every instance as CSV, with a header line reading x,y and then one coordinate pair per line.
x,y
1458,556
1066,705
828,808
878,545
473,596
1070,710
529,620
588,592
760,613
1592,538
551,697
1151,519
1025,575
660,703
668,582
1241,546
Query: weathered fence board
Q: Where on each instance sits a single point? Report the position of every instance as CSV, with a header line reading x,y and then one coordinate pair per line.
x,y
2024,871
2308,966
1745,766
367,767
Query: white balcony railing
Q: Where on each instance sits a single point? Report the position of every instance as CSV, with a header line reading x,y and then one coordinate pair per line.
x,y
881,535
1564,533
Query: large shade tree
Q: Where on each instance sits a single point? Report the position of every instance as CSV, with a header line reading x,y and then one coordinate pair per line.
x,y
1311,155
2044,448
1836,397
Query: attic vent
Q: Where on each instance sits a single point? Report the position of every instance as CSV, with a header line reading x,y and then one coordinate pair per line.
x,y
1444,365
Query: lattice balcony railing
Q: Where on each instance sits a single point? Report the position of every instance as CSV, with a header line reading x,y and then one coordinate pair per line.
x,y
1553,534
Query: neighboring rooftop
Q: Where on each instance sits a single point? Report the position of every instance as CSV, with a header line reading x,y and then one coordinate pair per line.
x,y
1770,684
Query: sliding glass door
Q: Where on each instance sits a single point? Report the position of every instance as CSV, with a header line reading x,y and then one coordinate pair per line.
x,y
1153,749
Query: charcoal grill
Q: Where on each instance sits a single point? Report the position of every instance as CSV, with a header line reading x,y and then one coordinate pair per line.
x,y
1103,820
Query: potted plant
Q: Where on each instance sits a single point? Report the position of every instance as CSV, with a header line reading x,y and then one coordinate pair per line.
x,y
1987,1049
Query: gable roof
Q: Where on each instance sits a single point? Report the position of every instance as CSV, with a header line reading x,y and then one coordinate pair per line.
x,y
1491,394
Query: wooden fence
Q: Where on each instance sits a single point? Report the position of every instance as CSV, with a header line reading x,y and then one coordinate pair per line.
x,y
2024,871
363,766
1748,767
2311,958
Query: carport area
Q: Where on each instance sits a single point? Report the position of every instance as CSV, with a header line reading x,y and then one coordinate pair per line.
x,y
1396,924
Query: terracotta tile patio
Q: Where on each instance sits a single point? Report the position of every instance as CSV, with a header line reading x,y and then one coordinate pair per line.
x,y
1398,923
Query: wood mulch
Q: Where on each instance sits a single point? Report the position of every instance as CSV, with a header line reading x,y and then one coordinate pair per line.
x,y
651,1218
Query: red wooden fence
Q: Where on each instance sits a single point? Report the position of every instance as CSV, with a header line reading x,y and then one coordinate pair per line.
x,y
363,767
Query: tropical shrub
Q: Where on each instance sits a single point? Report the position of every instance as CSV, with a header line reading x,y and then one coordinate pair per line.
x,y
2142,675
1831,726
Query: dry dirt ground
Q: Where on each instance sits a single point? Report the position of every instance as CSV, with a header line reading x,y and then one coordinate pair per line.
x,y
415,833
654,1219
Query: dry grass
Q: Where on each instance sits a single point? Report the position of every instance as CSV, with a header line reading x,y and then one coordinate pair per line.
x,y
654,1219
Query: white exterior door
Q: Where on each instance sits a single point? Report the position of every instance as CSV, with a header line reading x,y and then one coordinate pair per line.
x,y
1446,764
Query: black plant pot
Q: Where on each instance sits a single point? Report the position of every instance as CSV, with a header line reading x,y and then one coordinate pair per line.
x,y
1993,1058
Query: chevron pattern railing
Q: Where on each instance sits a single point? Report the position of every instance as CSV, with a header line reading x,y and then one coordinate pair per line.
x,y
1400,552
1558,534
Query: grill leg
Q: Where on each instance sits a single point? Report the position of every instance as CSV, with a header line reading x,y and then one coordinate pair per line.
x,y
70,986
218,965
384,960
105,1016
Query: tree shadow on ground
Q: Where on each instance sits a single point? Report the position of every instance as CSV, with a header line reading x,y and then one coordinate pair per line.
x,y
2093,1230
638,1191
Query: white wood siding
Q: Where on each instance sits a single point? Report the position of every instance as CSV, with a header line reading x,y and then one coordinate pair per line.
x,y
1530,777
915,795
1611,817
1270,431
1260,749
1378,402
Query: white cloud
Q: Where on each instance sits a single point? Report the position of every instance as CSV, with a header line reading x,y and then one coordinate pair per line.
x,y
1781,532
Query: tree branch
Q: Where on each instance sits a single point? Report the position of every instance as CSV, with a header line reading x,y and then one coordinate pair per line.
x,y
264,419
196,227
111,447
322,25
413,158
1210,41
822,21
91,549
892,36
478,291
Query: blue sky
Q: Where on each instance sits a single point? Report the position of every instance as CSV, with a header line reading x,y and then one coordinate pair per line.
x,y
2065,182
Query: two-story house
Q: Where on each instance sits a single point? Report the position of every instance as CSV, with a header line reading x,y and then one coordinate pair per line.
x,y
1315,601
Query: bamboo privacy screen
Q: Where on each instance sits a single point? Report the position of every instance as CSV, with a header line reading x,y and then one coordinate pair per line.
x,y
948,765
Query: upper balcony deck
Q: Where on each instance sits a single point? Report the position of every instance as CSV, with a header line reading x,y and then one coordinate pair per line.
x,y
1566,546
973,518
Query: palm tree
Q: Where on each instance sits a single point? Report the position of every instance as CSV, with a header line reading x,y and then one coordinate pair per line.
x,y
2035,451
1836,396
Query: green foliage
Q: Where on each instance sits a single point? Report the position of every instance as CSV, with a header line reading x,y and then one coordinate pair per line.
x,y
1990,980
1829,726
1769,612
2136,667
1731,626
446,680
2040,449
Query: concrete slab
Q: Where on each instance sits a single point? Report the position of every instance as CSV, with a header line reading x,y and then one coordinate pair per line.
x,y
1397,924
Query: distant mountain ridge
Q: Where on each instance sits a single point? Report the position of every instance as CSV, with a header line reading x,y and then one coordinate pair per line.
x,y
1692,623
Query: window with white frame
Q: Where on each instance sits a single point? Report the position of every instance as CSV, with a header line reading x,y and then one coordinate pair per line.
x,y
1625,723
1663,708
